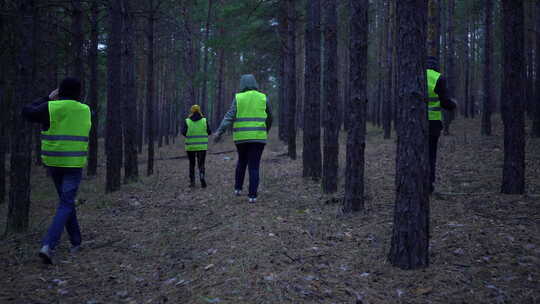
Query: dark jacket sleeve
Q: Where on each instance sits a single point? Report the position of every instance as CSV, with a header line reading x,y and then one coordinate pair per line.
x,y
208,128
38,111
441,90
184,128
269,117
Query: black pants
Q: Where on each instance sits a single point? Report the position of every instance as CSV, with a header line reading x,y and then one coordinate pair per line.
x,y
435,128
200,156
249,156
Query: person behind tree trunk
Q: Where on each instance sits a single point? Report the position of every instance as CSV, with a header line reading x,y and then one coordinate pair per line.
x,y
438,98
251,117
66,125
196,130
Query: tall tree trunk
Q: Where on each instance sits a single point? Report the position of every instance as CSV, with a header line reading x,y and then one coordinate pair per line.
x,y
433,28
291,78
513,104
386,112
131,169
311,153
93,98
78,42
114,98
356,136
536,119
486,108
150,90
410,234
204,98
448,116
283,79
21,149
190,62
331,99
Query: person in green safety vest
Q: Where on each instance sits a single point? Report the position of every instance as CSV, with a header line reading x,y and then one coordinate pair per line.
x,y
251,118
196,130
438,99
66,126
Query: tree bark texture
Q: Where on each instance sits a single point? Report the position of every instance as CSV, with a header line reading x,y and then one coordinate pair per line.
x,y
78,42
513,105
291,78
131,169
448,116
331,100
536,119
311,153
386,113
114,98
150,90
93,95
486,108
204,98
21,148
356,136
283,94
410,234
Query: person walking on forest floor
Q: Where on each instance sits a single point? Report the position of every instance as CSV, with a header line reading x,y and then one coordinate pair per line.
x,y
251,117
66,124
438,97
196,131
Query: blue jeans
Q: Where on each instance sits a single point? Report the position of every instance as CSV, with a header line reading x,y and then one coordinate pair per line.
x,y
249,156
66,181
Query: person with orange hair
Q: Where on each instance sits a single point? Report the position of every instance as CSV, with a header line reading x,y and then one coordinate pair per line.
x,y
196,130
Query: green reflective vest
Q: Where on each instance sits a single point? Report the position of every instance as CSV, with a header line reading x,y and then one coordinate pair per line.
x,y
197,135
250,122
65,144
434,104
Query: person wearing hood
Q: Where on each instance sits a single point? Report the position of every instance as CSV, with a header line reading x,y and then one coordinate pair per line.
x,y
438,97
66,124
251,118
196,130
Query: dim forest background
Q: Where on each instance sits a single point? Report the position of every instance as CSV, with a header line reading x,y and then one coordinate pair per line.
x,y
344,215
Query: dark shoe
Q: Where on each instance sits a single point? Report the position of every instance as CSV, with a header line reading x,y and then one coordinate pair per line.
x,y
45,254
75,249
192,183
431,189
203,183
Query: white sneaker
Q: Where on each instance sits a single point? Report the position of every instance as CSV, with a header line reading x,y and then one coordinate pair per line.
x,y
252,200
45,254
237,192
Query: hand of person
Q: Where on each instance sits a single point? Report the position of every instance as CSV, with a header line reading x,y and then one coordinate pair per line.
x,y
53,95
217,138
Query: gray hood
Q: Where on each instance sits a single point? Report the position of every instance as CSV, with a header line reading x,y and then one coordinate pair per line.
x,y
248,82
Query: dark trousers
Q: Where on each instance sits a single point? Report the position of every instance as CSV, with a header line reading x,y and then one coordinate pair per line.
x,y
435,128
199,157
66,181
249,156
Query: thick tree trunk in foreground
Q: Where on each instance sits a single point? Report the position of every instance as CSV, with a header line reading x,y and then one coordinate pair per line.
x,y
513,104
536,118
291,78
486,108
410,235
21,145
331,100
114,98
356,137
93,97
131,169
311,153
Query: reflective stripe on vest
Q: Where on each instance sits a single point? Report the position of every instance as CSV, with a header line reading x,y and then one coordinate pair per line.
x,y
197,135
65,144
250,122
434,104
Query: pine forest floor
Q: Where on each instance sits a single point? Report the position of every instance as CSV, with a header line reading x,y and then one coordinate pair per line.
x,y
157,241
